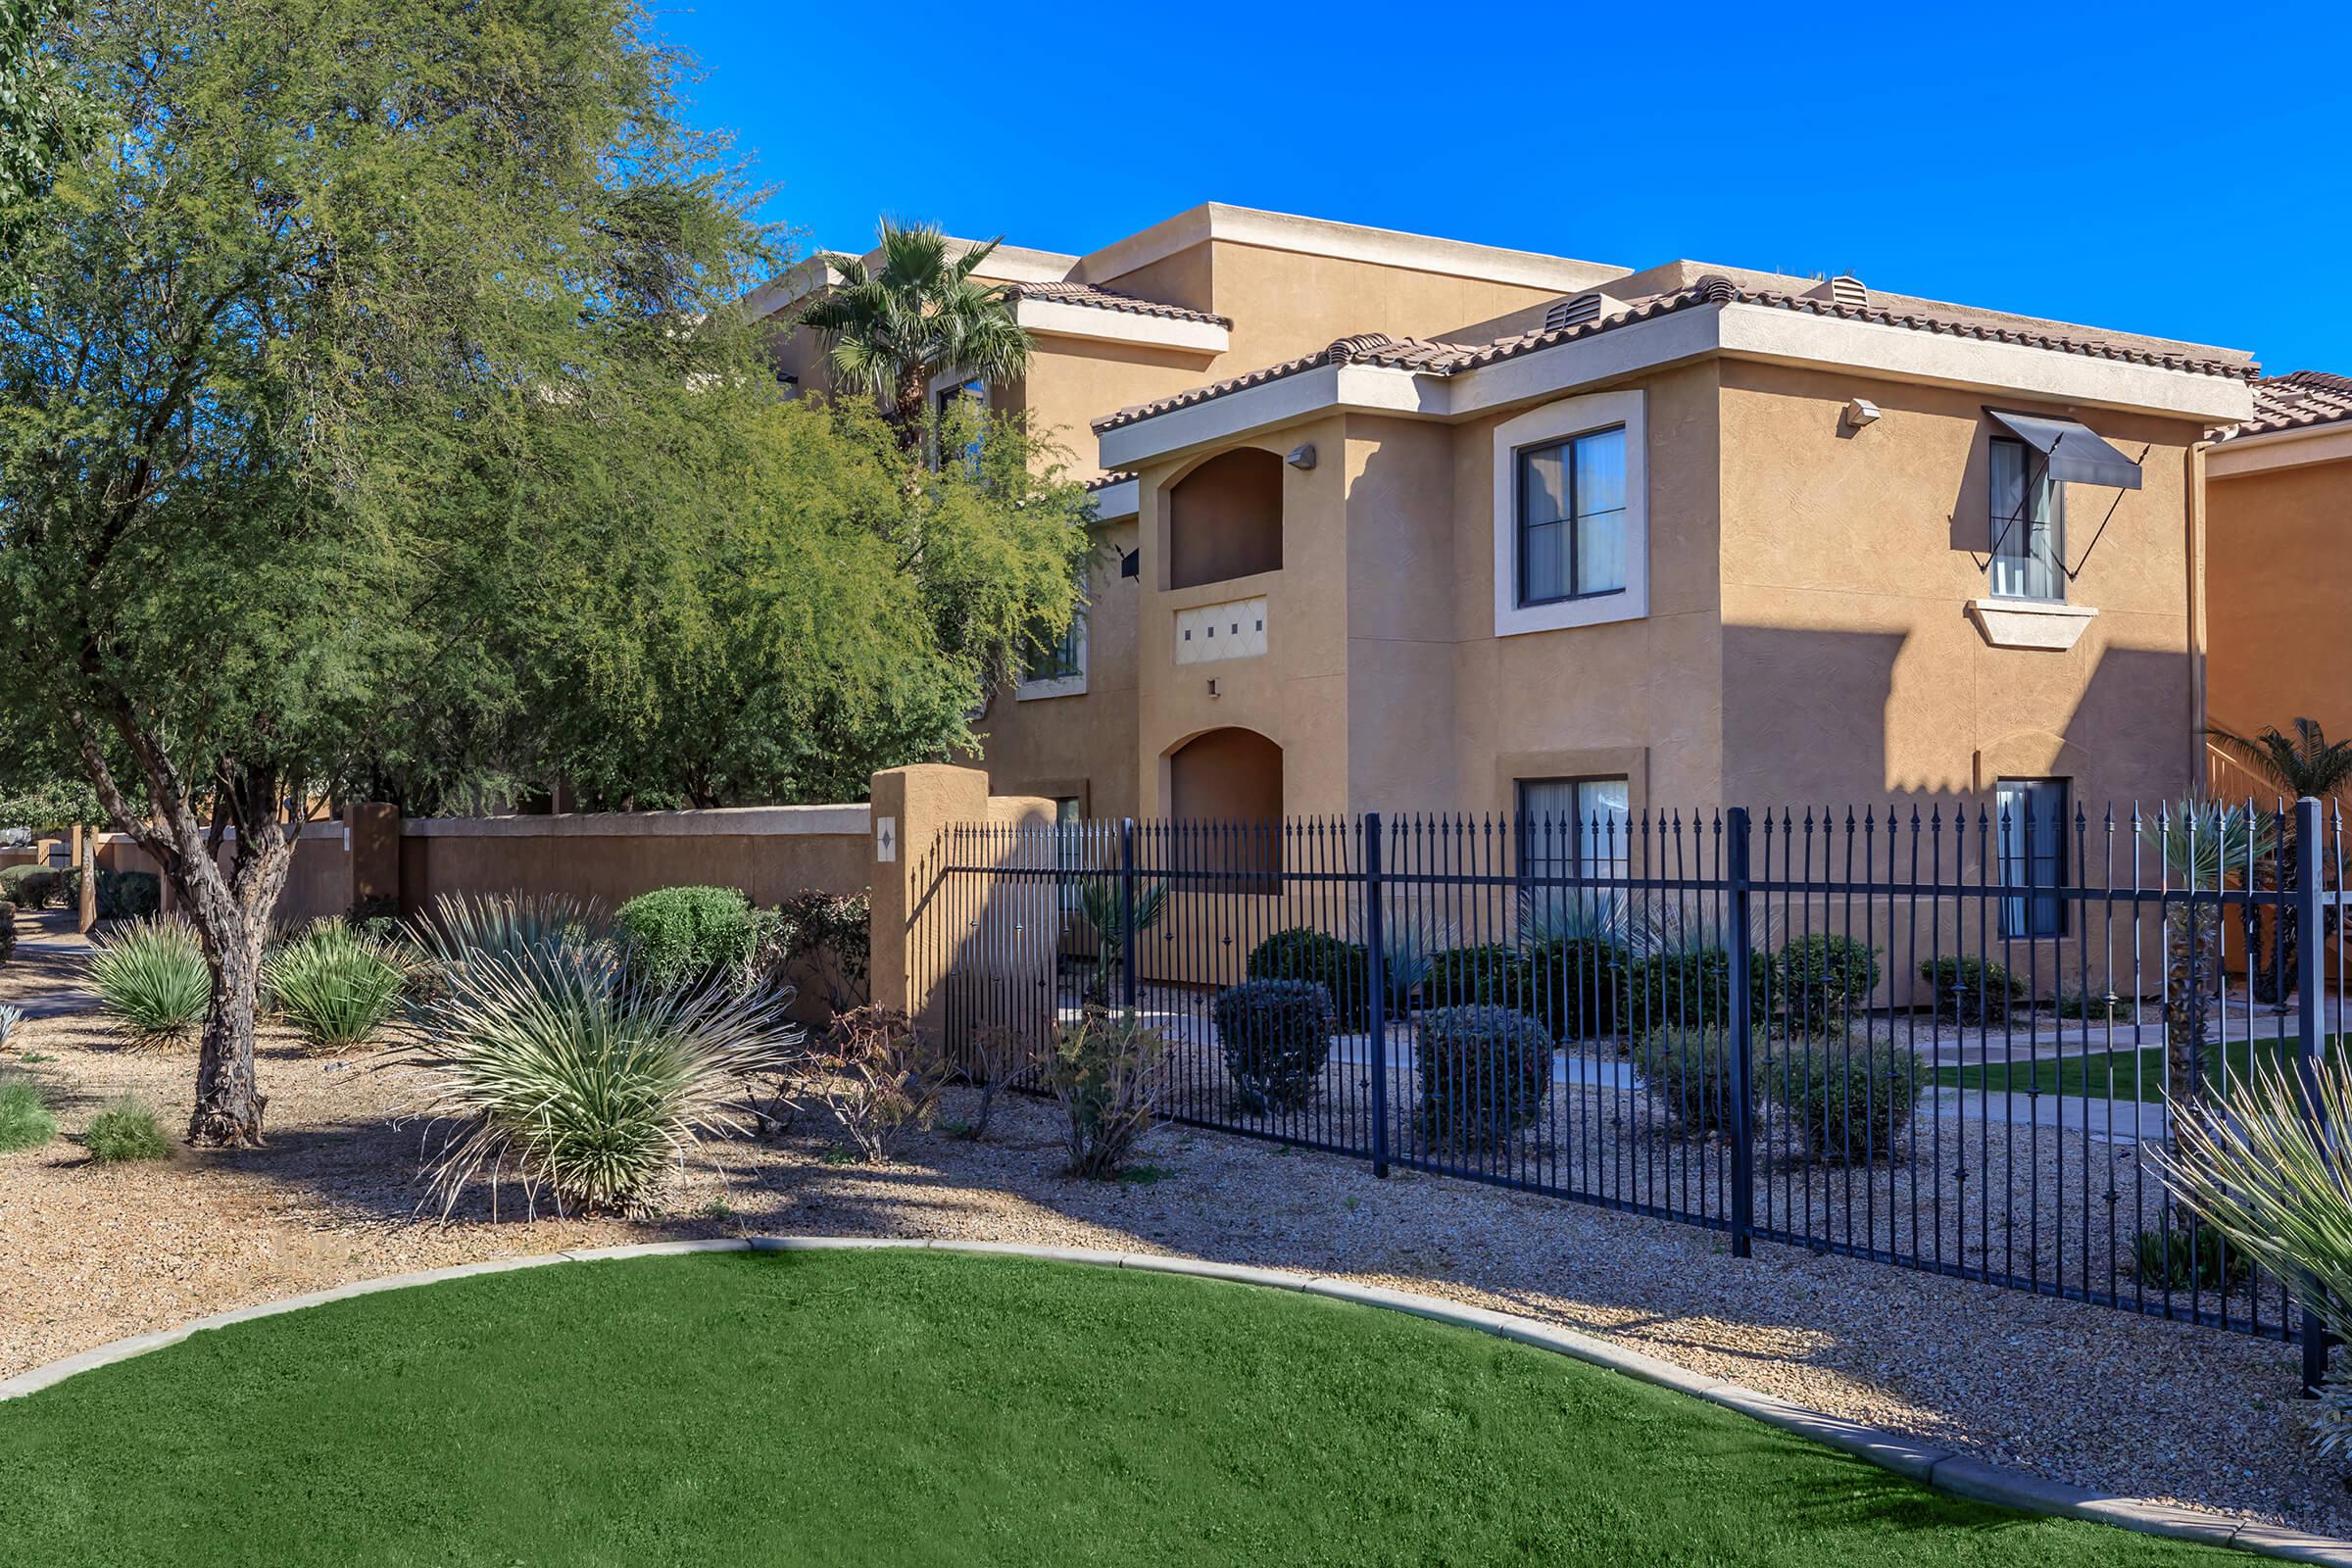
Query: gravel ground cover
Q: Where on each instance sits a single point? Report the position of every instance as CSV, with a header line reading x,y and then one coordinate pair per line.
x,y
2079,1393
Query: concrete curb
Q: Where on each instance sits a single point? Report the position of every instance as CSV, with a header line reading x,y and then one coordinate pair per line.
x,y
1941,1468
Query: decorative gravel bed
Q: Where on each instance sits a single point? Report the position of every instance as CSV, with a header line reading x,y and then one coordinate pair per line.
x,y
2078,1393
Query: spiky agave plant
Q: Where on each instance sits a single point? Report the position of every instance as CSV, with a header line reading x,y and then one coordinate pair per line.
x,y
2262,1172
1100,909
550,1064
152,976
468,930
334,986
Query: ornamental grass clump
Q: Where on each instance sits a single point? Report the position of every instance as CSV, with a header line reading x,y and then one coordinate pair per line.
x,y
152,976
123,1132
549,1064
24,1118
334,986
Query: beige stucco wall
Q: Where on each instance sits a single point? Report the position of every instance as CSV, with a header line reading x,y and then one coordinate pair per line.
x,y
2278,579
613,869
1852,669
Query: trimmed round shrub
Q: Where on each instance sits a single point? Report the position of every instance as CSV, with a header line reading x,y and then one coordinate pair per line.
x,y
1277,1038
1690,989
29,887
127,1131
24,1118
1822,980
1849,1100
1689,1074
1576,986
690,935
152,976
1971,990
1489,975
1484,1074
334,986
1340,966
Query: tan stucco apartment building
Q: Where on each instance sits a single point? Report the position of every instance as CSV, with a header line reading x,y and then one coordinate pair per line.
x,y
1412,524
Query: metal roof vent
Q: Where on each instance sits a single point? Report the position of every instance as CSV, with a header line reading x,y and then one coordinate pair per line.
x,y
1847,290
1574,310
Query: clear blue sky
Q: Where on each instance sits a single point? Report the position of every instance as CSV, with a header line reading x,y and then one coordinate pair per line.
x,y
2161,167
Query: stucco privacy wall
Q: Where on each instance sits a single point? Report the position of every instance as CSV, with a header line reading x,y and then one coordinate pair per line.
x,y
2279,575
320,884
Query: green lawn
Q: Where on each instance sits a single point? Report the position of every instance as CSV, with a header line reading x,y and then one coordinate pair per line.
x,y
891,1407
2116,1074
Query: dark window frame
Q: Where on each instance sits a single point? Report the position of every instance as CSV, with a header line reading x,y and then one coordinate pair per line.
x,y
1063,658
2024,522
1520,526
2045,915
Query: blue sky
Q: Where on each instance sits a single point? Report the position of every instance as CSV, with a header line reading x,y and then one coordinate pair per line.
x,y
2154,167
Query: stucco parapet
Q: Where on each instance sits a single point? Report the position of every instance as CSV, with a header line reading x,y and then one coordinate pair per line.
x,y
747,821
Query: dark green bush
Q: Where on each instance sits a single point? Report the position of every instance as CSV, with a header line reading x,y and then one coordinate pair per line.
x,y
1576,986
1689,1074
1690,988
1277,1037
121,895
1822,980
1971,990
2094,1007
1484,1072
1489,975
29,887
1341,967
8,931
689,935
1850,1100
2179,1258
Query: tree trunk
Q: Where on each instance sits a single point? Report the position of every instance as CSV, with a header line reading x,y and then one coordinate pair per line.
x,y
2192,965
908,412
229,1098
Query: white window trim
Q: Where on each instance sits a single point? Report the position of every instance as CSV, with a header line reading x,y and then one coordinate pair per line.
x,y
1033,691
1539,427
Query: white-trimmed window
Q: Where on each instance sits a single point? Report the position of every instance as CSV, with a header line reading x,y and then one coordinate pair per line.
x,y
1055,666
1572,514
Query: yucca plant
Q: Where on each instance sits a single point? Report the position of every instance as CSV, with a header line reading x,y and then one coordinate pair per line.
x,y
152,976
2261,1172
2203,847
553,1067
334,986
1101,908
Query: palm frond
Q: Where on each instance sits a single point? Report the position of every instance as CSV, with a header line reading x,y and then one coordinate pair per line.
x,y
2305,762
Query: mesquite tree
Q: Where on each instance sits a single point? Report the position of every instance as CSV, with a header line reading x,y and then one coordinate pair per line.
x,y
336,323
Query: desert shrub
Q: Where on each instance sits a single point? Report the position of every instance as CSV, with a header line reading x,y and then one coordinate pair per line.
x,y
1823,979
469,931
881,1077
1970,991
1487,975
24,1118
29,887
1689,1075
1109,1072
1403,966
2094,1007
1342,968
152,976
546,1061
8,931
690,935
833,932
1849,1099
11,1019
1690,988
127,1131
333,985
121,895
1576,986
1483,1070
997,1058
1277,1038
2179,1258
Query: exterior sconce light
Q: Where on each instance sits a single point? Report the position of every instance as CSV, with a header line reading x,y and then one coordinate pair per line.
x,y
1859,412
1301,456
1212,687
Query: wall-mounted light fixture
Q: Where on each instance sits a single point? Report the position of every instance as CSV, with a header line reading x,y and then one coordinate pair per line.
x,y
1212,687
1859,412
1302,455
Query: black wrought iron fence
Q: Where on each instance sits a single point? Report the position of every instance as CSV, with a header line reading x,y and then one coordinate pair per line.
x,y
1928,1036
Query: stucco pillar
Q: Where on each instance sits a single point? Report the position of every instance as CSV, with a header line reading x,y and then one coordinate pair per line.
x,y
910,806
373,831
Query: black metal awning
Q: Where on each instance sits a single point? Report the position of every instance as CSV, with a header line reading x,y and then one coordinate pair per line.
x,y
2073,452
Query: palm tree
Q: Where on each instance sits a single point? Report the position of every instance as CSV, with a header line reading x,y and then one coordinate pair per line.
x,y
921,315
2203,845
2304,764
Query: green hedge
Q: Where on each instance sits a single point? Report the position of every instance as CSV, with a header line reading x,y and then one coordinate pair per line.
x,y
121,895
1822,980
29,887
1971,990
1849,1100
1277,1039
688,935
1340,966
1576,986
1484,1072
1690,989
1689,1075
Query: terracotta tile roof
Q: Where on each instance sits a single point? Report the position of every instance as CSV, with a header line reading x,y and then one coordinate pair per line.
x,y
1103,481
2297,401
1451,359
1104,299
